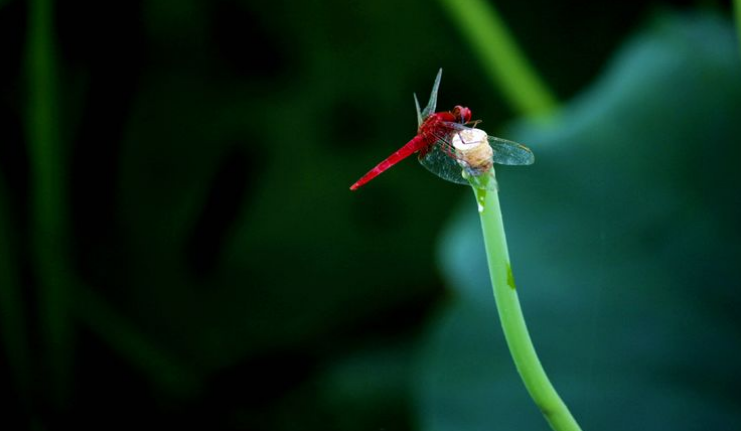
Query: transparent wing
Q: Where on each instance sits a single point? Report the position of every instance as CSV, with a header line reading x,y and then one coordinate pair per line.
x,y
419,113
432,104
441,160
510,152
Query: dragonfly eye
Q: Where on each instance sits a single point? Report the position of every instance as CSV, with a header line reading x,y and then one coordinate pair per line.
x,y
462,114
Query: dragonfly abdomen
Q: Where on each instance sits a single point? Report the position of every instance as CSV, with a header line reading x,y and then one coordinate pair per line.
x,y
417,143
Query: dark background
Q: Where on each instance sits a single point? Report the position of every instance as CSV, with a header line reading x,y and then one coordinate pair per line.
x,y
179,248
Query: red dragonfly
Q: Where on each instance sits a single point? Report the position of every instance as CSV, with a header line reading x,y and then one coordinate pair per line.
x,y
450,146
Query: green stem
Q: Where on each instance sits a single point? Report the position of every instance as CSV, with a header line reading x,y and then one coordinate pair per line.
x,y
48,212
502,58
513,322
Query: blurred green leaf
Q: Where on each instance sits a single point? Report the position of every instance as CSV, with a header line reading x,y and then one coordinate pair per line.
x,y
293,256
624,241
162,368
369,389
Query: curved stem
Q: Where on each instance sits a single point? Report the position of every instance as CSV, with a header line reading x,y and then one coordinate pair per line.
x,y
513,322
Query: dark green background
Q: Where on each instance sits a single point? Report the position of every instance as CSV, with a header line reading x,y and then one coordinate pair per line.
x,y
184,251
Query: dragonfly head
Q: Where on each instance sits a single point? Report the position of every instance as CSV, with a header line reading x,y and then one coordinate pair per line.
x,y
462,114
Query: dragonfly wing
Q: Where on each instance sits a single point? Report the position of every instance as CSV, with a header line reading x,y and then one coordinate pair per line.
x,y
510,153
432,104
440,160
419,113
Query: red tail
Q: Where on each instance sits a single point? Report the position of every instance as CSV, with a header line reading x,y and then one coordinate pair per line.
x,y
407,150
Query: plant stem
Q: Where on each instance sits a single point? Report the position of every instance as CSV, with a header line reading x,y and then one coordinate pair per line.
x,y
502,58
48,212
513,322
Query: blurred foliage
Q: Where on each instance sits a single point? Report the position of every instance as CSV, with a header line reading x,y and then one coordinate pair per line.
x,y
219,273
624,239
501,56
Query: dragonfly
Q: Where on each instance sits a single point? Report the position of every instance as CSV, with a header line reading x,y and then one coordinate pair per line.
x,y
450,146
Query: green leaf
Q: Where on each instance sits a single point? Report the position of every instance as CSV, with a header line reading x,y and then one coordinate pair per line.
x,y
623,239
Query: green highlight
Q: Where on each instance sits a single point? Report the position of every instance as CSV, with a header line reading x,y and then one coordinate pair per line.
x,y
513,321
510,277
501,57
